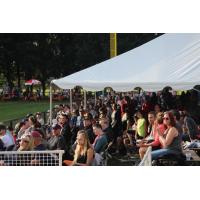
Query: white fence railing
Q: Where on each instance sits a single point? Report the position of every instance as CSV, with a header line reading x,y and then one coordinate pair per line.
x,y
31,158
146,161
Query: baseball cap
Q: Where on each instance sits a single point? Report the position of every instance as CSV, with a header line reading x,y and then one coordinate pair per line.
x,y
35,134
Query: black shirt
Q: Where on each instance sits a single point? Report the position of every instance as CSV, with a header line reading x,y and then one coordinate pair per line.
x,y
66,133
109,134
82,159
90,133
40,147
1,145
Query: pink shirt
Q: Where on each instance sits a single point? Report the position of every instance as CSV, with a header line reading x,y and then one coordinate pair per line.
x,y
162,129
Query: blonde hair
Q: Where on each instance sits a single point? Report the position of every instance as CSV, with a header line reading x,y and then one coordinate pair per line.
x,y
79,149
30,145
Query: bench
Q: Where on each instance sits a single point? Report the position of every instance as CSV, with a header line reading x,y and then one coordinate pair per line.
x,y
197,150
170,160
195,159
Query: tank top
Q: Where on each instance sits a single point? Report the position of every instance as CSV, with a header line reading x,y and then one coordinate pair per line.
x,y
141,127
82,159
176,143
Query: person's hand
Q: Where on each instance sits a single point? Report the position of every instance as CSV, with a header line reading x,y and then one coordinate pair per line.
x,y
139,143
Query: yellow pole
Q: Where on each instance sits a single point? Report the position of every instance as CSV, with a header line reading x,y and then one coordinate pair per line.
x,y
113,45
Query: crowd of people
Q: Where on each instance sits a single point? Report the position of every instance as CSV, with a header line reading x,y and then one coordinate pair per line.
x,y
17,94
33,93
125,123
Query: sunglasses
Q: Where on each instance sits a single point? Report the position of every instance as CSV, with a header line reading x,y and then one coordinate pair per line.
x,y
25,141
166,118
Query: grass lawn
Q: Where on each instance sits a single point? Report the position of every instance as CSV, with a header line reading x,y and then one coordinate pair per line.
x,y
19,109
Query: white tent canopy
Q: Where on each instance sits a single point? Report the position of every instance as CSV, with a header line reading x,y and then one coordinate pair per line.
x,y
169,60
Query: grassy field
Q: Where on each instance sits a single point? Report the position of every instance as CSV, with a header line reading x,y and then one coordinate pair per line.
x,y
18,109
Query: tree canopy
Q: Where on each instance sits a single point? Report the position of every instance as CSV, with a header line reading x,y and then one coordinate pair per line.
x,y
42,56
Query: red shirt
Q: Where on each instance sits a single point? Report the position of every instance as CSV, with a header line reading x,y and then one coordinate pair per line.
x,y
162,129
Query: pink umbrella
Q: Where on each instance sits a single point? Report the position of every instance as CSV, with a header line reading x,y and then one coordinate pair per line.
x,y
32,82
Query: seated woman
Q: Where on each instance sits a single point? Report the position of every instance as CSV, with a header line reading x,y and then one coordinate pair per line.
x,y
141,129
129,133
24,159
26,143
84,152
170,140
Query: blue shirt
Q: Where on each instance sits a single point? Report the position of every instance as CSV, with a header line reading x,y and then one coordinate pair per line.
x,y
100,143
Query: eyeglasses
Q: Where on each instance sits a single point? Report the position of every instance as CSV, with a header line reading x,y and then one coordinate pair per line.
x,y
165,118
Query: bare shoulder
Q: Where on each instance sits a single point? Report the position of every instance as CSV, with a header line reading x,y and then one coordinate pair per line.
x,y
173,131
90,150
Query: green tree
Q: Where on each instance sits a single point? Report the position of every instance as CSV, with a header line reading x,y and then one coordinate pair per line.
x,y
42,56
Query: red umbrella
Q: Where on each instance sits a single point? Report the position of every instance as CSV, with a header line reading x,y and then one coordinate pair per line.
x,y
32,82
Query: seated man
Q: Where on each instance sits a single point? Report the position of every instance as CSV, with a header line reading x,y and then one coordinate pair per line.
x,y
104,122
100,141
37,141
87,122
38,159
57,141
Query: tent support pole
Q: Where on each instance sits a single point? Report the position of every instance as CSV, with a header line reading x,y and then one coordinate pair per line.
x,y
95,98
50,111
71,100
85,99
